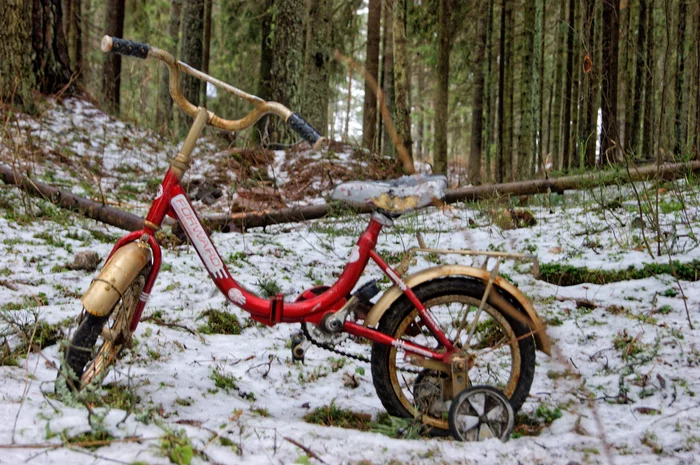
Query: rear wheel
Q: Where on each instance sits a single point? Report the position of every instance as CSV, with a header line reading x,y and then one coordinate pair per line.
x,y
502,351
98,340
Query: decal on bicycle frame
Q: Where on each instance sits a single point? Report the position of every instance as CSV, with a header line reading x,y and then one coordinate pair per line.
x,y
401,345
236,296
198,236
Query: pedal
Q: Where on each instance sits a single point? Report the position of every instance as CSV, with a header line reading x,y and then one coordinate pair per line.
x,y
299,347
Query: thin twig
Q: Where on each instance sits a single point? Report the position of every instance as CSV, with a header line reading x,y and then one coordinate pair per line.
x,y
308,451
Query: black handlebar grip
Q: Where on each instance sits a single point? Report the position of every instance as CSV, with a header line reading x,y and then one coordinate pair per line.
x,y
125,47
304,129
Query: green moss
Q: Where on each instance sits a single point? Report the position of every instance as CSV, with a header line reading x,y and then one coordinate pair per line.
x,y
569,275
219,322
332,415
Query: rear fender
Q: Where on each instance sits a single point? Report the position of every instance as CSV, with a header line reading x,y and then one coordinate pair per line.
x,y
116,276
523,311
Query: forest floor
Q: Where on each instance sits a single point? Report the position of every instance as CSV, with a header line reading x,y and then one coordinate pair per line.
x,y
620,387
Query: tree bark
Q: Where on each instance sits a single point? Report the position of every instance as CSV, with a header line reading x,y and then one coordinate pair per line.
x,y
317,81
261,132
402,80
639,73
192,47
500,160
369,114
164,107
287,63
474,168
509,127
556,114
680,78
388,148
75,37
489,90
16,76
590,132
442,88
527,51
649,66
566,122
112,62
420,123
206,48
610,139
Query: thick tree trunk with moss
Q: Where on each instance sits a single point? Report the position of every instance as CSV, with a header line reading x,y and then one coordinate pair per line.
x,y
474,169
287,64
164,109
52,71
112,63
401,79
16,77
317,83
442,87
192,48
369,113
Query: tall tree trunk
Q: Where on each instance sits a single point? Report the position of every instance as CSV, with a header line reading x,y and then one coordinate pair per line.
x,y
442,87
649,67
369,114
639,72
420,122
287,63
192,47
556,114
206,48
402,80
474,168
112,63
489,90
164,107
590,132
16,76
680,77
609,139
625,78
317,81
509,127
525,153
538,69
500,160
576,107
696,133
566,123
261,133
74,34
388,148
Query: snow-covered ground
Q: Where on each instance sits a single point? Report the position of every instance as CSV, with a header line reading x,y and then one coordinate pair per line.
x,y
624,375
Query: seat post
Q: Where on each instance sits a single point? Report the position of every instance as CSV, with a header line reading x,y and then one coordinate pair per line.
x,y
382,218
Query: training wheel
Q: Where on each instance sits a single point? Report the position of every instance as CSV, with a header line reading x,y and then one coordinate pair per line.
x,y
479,413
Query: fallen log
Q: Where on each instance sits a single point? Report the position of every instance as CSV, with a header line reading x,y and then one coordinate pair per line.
x,y
669,171
240,221
64,199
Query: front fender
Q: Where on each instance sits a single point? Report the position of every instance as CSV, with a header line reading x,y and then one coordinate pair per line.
x,y
524,307
116,276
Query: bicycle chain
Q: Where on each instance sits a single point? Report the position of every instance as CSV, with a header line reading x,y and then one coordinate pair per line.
x,y
358,357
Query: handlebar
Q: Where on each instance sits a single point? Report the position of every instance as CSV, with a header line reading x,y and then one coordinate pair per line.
x,y
143,51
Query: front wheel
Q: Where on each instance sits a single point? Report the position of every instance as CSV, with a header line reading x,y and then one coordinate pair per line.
x,y
98,340
502,350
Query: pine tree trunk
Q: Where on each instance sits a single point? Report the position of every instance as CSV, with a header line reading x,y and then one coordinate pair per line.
x,y
538,69
261,133
369,114
696,134
317,81
500,160
388,148
639,72
206,48
556,114
526,51
649,67
566,122
625,79
192,47
164,108
16,77
420,122
489,90
609,141
401,79
509,59
287,64
576,107
112,64
680,78
442,86
590,132
474,168
75,36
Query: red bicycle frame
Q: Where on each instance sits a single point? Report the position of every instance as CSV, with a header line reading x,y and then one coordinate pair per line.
x,y
172,200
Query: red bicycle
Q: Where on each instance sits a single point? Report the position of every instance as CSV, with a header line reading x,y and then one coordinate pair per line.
x,y
434,333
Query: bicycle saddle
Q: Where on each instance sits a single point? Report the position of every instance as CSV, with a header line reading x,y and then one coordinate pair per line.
x,y
395,196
